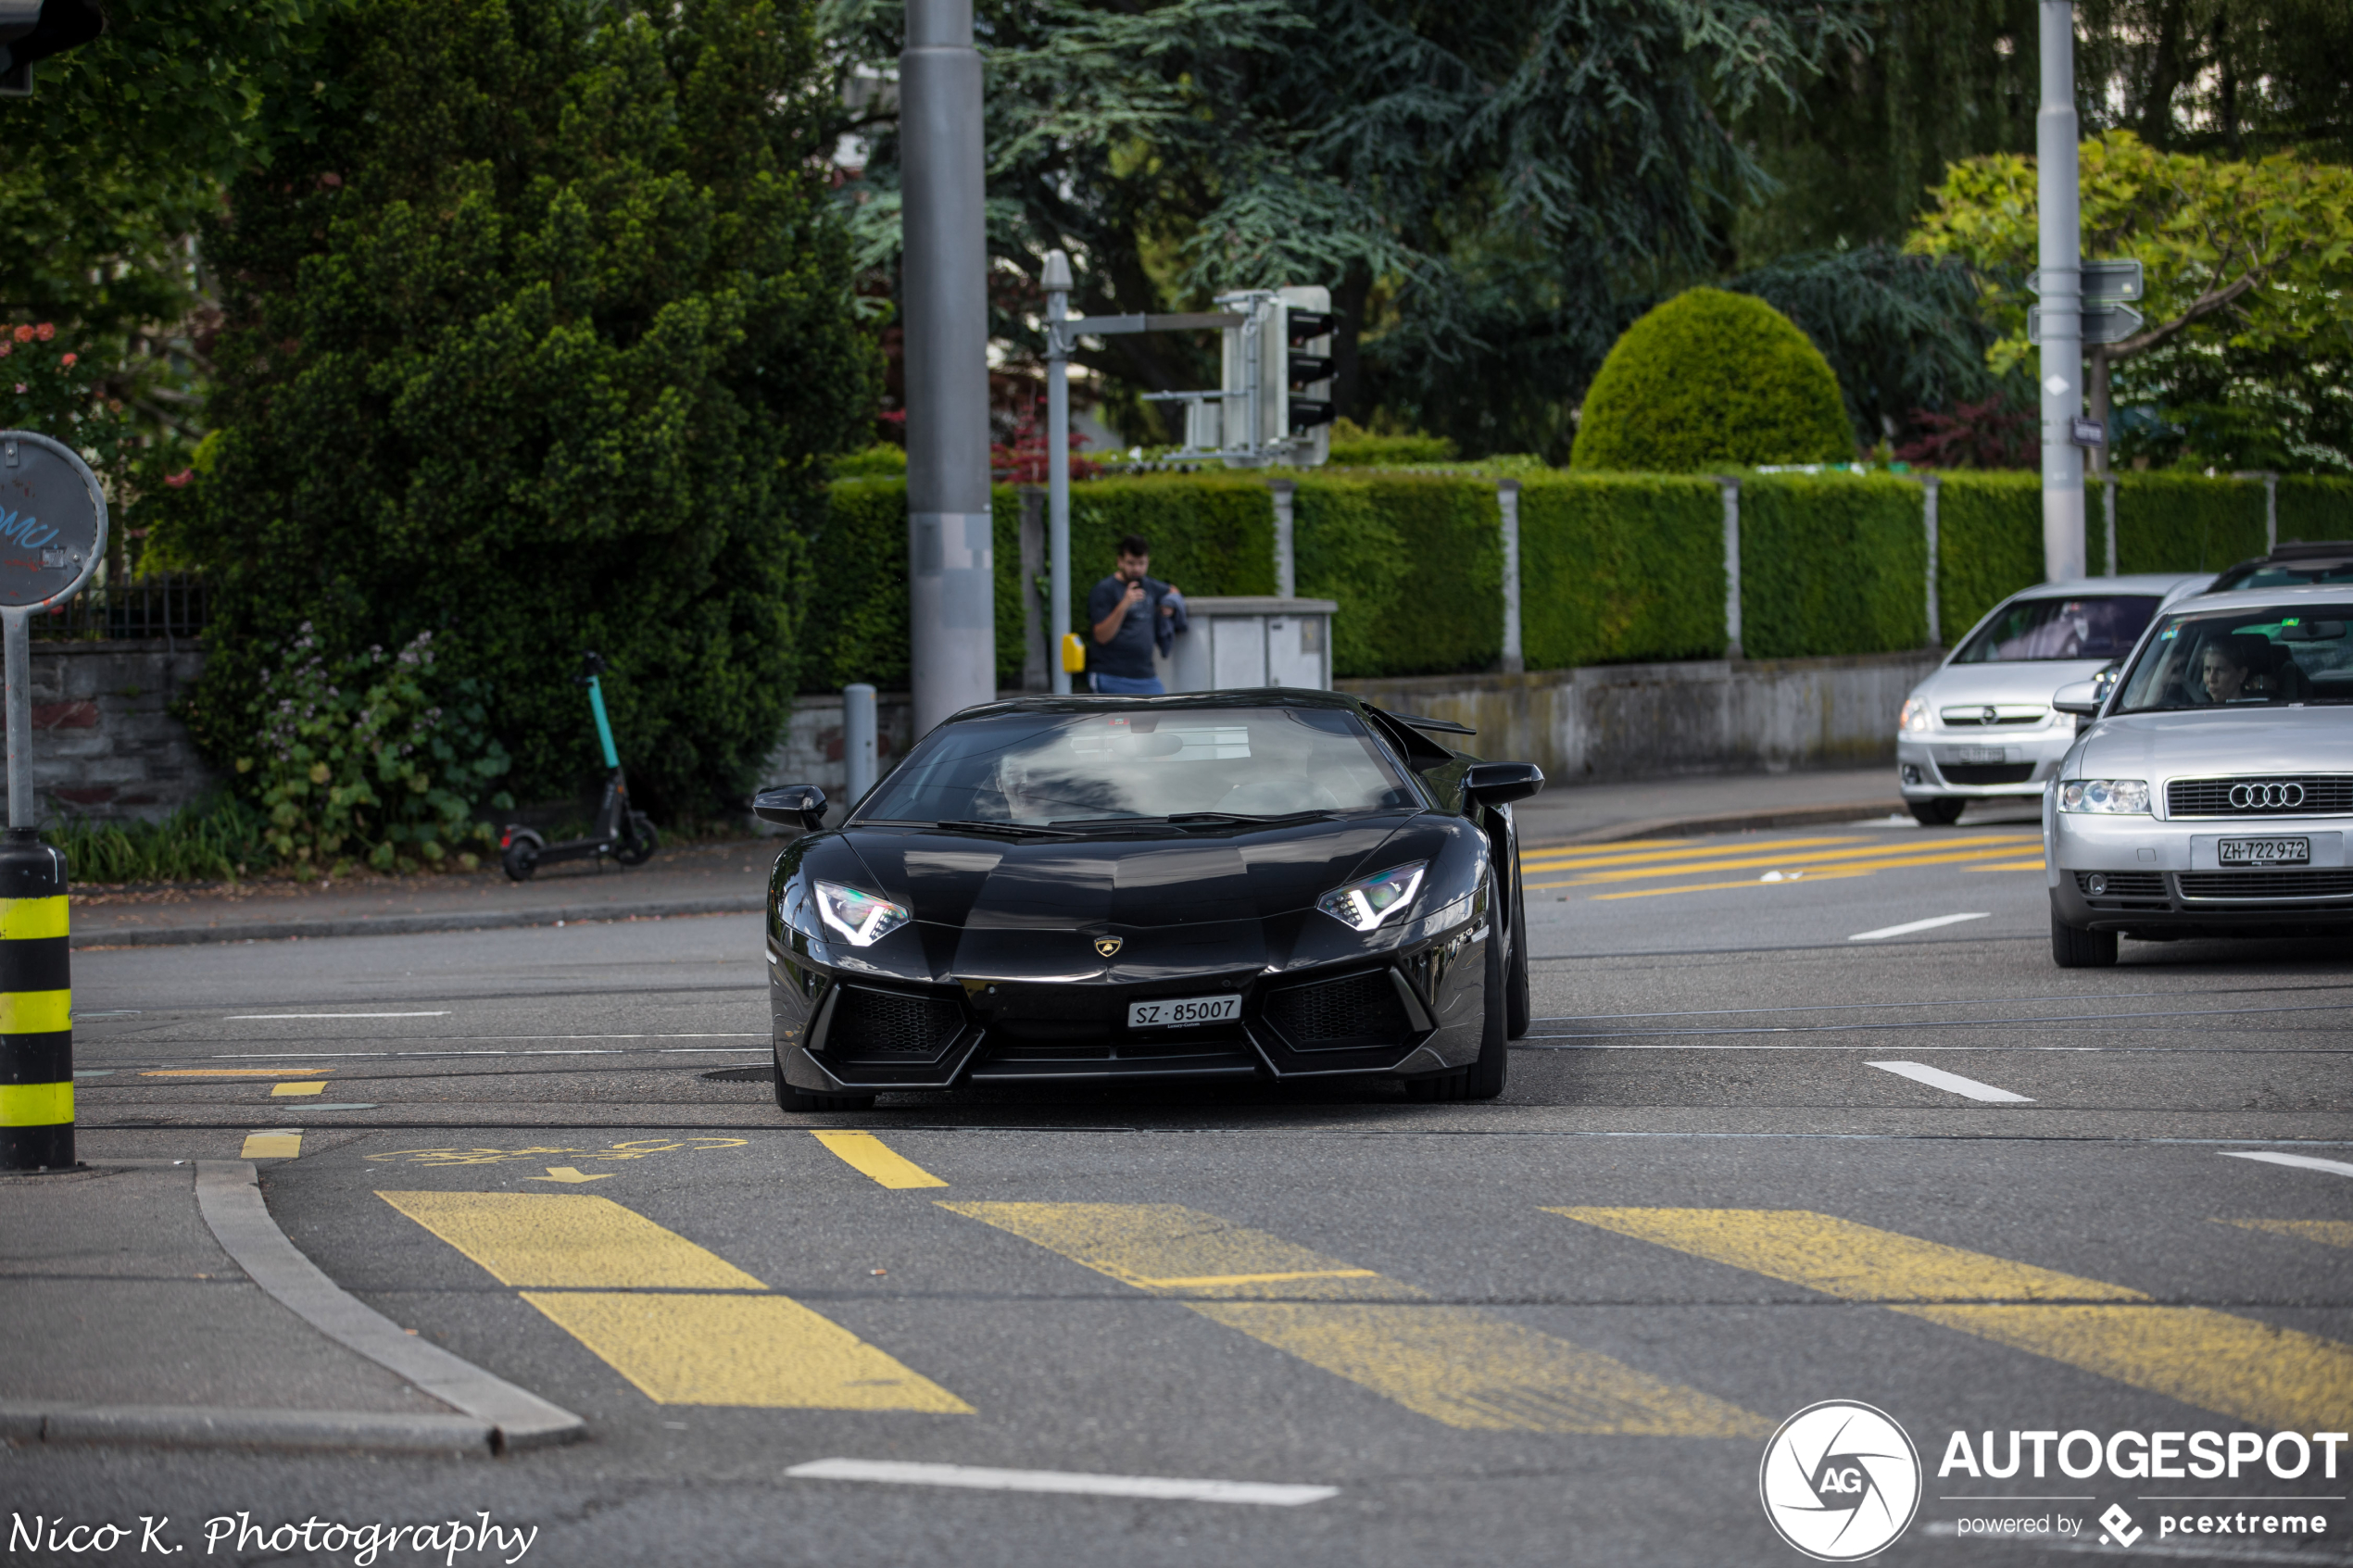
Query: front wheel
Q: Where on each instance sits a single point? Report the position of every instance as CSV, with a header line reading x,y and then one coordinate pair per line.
x,y
639,847
520,859
1485,1079
1941,812
2074,949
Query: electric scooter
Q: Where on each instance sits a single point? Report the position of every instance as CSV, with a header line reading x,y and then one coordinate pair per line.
x,y
628,836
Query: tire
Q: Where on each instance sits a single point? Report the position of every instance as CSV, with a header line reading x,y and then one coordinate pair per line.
x,y
1941,812
521,858
2072,948
1519,1014
639,847
1485,1079
800,1101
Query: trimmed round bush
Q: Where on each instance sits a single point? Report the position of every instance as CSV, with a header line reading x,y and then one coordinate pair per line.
x,y
1712,380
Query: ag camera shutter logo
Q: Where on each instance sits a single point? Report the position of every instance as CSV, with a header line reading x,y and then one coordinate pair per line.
x,y
1839,1481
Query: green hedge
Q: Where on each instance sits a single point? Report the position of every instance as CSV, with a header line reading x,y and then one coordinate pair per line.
x,y
1416,563
1620,568
1989,543
1831,564
2186,522
2316,507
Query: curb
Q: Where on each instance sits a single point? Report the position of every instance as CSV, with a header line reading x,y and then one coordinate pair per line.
x,y
406,925
230,1198
213,1427
1724,822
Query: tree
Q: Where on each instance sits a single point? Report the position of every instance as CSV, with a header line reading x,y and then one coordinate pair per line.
x,y
540,347
1478,186
2250,263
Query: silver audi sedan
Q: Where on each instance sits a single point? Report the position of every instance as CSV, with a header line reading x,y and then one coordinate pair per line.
x,y
1981,727
2211,795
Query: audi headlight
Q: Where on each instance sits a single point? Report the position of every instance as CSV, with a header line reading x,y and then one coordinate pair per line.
x,y
861,917
2116,798
1914,720
1363,905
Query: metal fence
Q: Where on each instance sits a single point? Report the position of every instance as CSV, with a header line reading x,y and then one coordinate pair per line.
x,y
166,605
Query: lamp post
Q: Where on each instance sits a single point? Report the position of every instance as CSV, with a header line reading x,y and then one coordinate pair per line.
x,y
2060,234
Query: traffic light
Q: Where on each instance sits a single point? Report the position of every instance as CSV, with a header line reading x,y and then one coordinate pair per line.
x,y
1276,385
34,30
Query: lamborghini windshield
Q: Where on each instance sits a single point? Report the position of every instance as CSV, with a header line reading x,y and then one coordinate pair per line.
x,y
1044,770
2282,656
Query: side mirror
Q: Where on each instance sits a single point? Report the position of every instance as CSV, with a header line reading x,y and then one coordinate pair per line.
x,y
2078,698
792,806
1499,783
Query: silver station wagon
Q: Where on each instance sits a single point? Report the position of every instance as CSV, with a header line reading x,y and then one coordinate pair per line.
x,y
1981,727
2212,793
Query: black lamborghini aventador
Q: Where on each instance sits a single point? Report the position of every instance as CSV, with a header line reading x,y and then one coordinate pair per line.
x,y
1273,884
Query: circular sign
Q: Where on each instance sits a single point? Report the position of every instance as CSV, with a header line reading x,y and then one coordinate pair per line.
x,y
1839,1481
52,520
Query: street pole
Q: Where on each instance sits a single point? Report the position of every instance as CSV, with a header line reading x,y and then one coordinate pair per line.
x,y
1057,282
2061,266
952,588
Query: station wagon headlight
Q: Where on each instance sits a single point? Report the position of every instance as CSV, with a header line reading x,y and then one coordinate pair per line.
x,y
2116,798
861,917
1914,720
1364,906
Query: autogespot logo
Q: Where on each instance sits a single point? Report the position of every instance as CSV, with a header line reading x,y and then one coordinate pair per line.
x,y
1839,1481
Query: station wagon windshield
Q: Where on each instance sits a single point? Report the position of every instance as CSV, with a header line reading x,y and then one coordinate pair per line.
x,y
2280,657
2095,626
1041,769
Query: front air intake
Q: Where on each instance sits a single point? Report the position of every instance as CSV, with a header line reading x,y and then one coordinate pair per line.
x,y
870,1025
1333,1015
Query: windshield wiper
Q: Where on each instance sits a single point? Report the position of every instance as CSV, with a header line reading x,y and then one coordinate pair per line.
x,y
1209,819
1015,830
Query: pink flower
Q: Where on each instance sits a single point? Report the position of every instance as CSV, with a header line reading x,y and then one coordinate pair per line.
x,y
20,386
24,334
46,331
68,360
177,480
7,349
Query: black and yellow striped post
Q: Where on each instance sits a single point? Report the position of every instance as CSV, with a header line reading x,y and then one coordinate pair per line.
x,y
36,1006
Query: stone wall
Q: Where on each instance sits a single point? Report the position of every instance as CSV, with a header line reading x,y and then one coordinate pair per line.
x,y
1618,722
105,744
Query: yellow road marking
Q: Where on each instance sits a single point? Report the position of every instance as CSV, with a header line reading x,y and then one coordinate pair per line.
x,y
570,1175
602,1273
234,1072
2329,1233
1878,853
317,1085
2258,1373
1627,854
870,1156
765,1350
1457,1365
272,1146
1804,873
2033,865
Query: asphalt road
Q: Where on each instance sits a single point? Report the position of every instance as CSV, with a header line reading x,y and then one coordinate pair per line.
x,y
1726,1181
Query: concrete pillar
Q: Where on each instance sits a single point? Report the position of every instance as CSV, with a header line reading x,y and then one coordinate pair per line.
x,y
1731,488
1929,486
1036,655
1286,558
1507,501
859,758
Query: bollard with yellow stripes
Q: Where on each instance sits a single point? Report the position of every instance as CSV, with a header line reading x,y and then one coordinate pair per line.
x,y
36,1006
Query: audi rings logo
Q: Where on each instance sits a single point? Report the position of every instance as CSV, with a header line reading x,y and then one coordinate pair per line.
x,y
1839,1481
2267,797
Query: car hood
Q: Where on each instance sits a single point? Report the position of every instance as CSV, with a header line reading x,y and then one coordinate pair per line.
x,y
1957,684
1173,879
2208,744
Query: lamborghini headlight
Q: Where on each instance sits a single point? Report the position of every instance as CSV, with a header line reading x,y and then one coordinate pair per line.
x,y
1363,905
861,917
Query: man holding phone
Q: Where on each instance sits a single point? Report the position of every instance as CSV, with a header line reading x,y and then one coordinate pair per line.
x,y
1133,613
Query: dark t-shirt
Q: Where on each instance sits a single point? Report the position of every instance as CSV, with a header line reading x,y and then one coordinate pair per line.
x,y
1129,652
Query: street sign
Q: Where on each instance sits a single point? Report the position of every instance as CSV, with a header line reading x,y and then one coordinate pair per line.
x,y
2102,323
2103,282
2090,433
52,520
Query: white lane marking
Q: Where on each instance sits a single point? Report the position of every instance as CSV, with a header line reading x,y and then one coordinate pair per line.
x,y
1910,926
982,1478
2301,1161
1952,1083
251,1017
